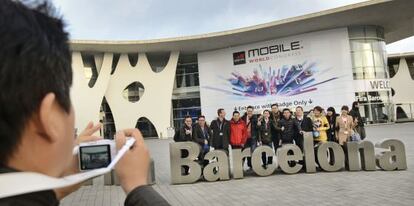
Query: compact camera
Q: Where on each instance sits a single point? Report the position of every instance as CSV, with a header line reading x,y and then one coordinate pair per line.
x,y
98,154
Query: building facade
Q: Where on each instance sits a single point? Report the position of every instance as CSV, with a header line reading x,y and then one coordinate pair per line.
x,y
152,85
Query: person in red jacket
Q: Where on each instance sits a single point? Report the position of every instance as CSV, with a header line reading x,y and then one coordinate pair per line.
x,y
237,131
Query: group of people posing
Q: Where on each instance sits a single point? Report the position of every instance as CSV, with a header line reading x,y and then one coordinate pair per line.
x,y
272,128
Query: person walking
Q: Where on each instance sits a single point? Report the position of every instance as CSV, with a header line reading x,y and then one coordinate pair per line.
x,y
358,121
344,126
220,128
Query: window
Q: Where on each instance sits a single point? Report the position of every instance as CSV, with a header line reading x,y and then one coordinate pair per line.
x,y
393,65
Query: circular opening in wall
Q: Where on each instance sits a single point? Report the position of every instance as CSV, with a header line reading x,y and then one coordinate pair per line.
x,y
133,92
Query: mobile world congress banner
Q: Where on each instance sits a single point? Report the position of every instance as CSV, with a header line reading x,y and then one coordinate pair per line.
x,y
305,70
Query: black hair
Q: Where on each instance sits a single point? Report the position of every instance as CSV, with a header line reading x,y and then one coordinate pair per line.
x,y
201,116
346,108
331,109
286,109
354,105
219,111
236,112
266,110
318,108
275,104
187,116
299,107
35,60
249,107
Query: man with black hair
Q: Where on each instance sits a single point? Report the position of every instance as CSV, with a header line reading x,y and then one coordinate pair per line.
x,y
202,136
36,114
237,131
275,117
288,126
251,131
185,134
220,128
305,125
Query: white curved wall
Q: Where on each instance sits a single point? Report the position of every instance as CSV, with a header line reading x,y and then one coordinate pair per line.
x,y
402,84
155,104
87,101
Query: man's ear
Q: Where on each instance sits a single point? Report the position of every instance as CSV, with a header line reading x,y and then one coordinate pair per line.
x,y
47,118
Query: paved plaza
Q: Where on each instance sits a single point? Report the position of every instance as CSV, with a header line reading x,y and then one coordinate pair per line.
x,y
321,188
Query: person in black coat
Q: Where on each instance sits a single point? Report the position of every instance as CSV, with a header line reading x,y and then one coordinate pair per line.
x,y
184,134
305,125
275,117
265,136
289,127
331,116
220,128
251,123
202,136
358,121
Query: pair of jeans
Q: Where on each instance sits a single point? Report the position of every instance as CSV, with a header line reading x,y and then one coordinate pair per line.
x,y
267,160
252,144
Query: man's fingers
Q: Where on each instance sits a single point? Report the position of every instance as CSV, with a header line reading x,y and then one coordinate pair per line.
x,y
91,129
95,128
120,139
135,133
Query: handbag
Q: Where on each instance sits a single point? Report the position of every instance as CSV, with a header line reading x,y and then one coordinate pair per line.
x,y
316,134
355,136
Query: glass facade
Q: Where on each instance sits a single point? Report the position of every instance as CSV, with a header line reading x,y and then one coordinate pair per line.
x,y
107,120
187,71
369,61
186,95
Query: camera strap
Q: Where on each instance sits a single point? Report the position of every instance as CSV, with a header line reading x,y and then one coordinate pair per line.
x,y
17,183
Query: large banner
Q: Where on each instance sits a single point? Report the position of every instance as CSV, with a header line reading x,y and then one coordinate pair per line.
x,y
304,70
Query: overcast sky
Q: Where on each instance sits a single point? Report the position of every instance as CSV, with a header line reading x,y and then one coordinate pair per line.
x,y
151,19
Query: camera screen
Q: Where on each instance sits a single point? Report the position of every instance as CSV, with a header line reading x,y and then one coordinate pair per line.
x,y
93,157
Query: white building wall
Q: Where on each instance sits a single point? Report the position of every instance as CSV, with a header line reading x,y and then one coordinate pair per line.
x,y
403,86
155,104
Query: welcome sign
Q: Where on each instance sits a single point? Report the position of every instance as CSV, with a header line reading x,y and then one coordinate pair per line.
x,y
303,70
354,156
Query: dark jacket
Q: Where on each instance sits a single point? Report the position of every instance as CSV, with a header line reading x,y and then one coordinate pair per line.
x,y
291,128
332,130
199,136
220,134
305,124
140,196
253,124
181,136
356,115
265,135
276,131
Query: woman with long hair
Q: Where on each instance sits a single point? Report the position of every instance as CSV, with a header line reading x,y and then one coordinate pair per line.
x,y
344,126
331,116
